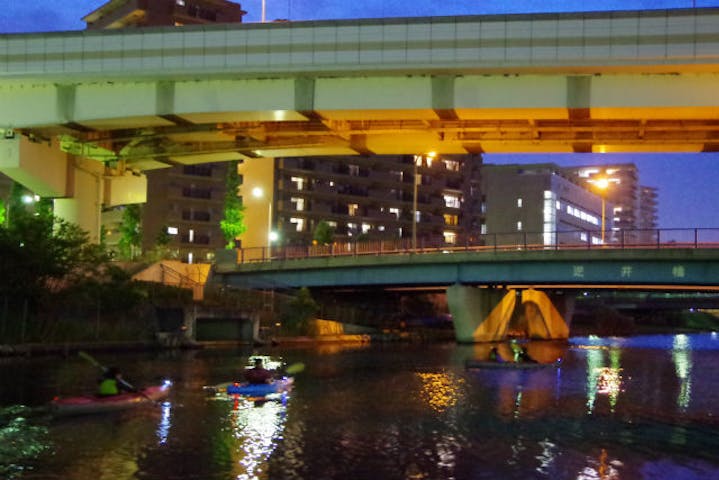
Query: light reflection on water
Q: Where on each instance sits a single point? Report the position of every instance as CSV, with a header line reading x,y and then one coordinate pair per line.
x,y
615,409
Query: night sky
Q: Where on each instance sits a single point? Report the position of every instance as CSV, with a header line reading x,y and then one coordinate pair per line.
x,y
687,183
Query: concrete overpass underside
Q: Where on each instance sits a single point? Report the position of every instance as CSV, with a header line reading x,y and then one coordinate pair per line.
x,y
83,114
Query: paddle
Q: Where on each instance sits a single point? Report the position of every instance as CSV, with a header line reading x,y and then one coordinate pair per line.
x,y
295,368
125,383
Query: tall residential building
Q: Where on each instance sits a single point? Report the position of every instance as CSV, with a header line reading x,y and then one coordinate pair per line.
x,y
647,208
534,203
186,201
371,197
152,13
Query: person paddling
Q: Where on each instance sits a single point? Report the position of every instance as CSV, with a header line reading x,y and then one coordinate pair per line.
x,y
112,383
258,374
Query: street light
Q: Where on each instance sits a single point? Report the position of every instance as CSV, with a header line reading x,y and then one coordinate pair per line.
x,y
602,184
258,193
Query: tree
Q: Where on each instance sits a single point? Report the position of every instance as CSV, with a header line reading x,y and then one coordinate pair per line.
x,y
298,312
233,223
3,211
324,233
130,241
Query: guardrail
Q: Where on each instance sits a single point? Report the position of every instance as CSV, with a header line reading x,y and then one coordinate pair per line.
x,y
665,238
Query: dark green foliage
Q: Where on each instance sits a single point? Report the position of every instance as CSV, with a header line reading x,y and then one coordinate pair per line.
x,y
233,222
324,234
297,313
130,241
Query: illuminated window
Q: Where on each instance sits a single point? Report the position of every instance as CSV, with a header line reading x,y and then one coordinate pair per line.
x,y
519,202
366,227
380,228
180,2
299,203
519,226
299,224
451,201
450,219
189,257
354,170
451,165
172,230
483,229
299,182
450,237
332,224
191,236
395,211
352,209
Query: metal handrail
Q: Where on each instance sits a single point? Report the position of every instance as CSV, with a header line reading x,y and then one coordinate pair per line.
x,y
664,238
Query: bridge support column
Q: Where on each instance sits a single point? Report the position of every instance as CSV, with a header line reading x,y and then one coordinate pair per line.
x,y
79,186
480,314
543,320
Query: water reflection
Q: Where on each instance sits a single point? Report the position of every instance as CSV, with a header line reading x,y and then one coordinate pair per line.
x,y
682,358
256,427
440,390
603,379
163,427
21,440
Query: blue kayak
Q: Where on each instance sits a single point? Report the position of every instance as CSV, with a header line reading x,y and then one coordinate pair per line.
x,y
261,390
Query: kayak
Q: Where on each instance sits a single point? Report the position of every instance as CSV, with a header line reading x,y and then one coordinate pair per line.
x,y
260,391
94,404
473,363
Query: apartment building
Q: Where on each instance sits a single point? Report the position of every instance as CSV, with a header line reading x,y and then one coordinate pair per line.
x,y
538,204
367,197
152,13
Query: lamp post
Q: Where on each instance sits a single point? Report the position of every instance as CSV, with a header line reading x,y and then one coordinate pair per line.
x,y
258,193
602,184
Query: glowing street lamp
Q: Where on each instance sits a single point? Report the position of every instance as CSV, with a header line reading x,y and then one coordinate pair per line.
x,y
258,193
602,184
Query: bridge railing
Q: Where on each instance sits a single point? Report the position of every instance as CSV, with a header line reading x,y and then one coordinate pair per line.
x,y
664,238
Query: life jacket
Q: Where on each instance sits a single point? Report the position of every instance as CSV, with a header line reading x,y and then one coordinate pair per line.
x,y
108,386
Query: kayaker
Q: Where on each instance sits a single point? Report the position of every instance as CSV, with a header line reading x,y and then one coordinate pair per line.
x,y
258,374
523,356
112,383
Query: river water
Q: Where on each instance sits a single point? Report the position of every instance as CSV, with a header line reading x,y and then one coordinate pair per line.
x,y
637,408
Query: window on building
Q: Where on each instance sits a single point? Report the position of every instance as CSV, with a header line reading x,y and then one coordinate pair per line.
x,y
450,219
191,236
352,209
483,229
354,170
298,204
519,202
299,224
395,211
380,228
519,226
366,227
172,230
450,237
180,3
189,257
451,165
299,182
451,200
